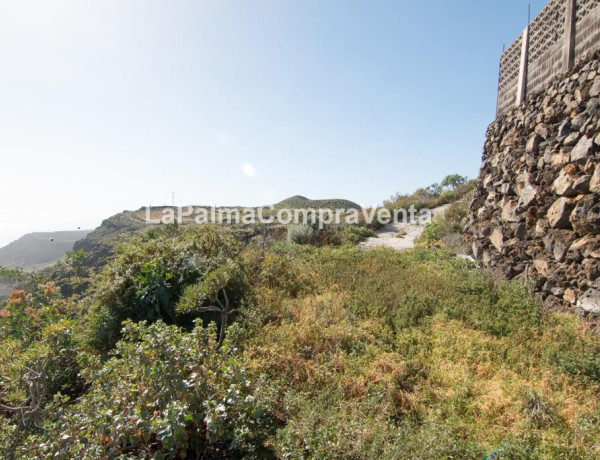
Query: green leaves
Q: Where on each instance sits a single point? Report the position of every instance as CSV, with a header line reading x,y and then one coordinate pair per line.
x,y
164,392
153,296
166,275
453,181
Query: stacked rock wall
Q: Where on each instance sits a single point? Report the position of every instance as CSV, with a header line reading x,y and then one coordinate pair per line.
x,y
536,211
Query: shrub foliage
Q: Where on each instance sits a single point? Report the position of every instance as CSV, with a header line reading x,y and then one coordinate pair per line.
x,y
192,344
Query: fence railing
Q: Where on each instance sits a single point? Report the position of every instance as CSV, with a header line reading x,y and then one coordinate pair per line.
x,y
564,32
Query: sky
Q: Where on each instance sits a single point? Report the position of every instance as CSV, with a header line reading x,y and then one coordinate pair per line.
x,y
113,105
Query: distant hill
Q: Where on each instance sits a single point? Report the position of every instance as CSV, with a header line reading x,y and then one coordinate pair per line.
x,y
101,242
298,201
36,251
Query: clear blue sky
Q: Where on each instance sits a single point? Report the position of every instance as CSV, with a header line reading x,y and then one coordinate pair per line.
x,y
112,105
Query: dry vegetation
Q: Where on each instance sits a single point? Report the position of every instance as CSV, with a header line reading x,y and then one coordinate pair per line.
x,y
331,352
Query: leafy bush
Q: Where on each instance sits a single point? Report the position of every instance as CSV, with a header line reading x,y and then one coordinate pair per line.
x,y
38,360
431,236
354,234
279,269
213,294
452,188
332,234
335,353
12,274
25,314
165,394
301,234
146,279
447,227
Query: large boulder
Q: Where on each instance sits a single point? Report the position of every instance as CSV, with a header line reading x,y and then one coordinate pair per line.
x,y
558,242
527,196
533,144
509,212
582,185
565,128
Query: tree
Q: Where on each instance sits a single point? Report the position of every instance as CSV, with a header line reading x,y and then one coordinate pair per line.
x,y
148,275
434,189
210,295
452,181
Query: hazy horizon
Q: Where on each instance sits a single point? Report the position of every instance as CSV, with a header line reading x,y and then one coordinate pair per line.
x,y
117,105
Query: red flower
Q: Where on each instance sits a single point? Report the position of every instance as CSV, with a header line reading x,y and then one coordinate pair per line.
x,y
16,297
50,288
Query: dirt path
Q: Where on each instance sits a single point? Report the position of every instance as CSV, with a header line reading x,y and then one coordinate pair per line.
x,y
387,236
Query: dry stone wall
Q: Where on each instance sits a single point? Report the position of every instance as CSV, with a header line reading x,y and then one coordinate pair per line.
x,y
536,211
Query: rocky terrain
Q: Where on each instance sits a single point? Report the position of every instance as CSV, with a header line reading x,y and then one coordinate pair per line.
x,y
536,211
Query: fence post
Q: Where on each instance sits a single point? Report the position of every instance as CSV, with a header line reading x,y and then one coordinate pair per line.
x,y
569,40
522,86
499,80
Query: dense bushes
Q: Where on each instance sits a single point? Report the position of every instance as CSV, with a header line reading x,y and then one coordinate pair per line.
x,y
451,189
164,394
38,359
146,279
331,352
354,234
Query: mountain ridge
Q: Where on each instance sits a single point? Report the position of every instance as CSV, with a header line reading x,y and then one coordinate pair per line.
x,y
39,250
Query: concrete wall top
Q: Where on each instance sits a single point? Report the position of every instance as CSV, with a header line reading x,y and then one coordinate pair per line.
x,y
563,33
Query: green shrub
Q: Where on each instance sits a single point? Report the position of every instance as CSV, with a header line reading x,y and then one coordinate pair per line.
x,y
280,268
431,236
165,394
146,279
576,355
452,188
354,234
446,228
220,291
301,234
38,361
30,376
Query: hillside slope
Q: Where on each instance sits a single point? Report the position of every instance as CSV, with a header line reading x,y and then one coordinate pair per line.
x,y
101,242
35,251
115,230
